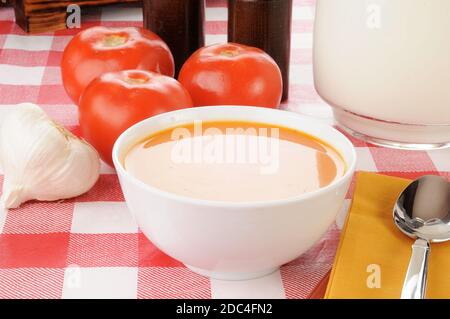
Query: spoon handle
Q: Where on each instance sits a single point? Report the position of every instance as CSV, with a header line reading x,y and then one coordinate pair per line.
x,y
416,277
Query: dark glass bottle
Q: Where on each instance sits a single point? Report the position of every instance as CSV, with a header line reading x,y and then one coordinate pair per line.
x,y
180,23
265,24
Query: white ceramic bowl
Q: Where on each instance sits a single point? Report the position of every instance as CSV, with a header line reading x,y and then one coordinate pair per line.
x,y
233,241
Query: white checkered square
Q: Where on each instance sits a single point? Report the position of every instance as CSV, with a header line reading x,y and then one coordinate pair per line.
x,y
102,218
100,283
28,42
303,13
365,160
301,74
216,14
215,38
21,75
268,287
441,159
3,213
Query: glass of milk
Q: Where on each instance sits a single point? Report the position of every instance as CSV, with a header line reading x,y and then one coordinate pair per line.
x,y
384,66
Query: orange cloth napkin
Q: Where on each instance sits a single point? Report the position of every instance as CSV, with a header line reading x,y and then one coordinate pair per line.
x,y
371,244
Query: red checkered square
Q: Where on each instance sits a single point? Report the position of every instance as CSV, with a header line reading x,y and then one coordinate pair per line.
x,y
54,58
172,283
60,42
151,256
23,58
356,142
33,251
410,175
301,56
107,188
14,94
52,76
391,160
216,27
6,26
53,94
299,281
103,250
302,93
31,283
18,30
69,33
39,217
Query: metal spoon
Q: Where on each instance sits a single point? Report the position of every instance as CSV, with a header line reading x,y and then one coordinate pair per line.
x,y
423,212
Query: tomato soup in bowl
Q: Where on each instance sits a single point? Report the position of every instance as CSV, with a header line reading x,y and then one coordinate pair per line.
x,y
233,192
234,161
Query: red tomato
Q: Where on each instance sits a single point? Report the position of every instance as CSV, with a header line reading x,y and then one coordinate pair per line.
x,y
98,50
232,74
115,101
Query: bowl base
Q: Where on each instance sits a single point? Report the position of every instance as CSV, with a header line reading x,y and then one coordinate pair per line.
x,y
391,134
232,276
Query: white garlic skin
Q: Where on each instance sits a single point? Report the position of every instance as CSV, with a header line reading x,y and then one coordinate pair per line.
x,y
42,160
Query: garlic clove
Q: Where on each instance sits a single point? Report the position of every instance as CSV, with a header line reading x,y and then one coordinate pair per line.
x,y
12,197
42,160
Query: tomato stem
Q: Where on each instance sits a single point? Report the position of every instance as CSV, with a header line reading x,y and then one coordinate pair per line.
x,y
229,53
114,40
135,81
135,78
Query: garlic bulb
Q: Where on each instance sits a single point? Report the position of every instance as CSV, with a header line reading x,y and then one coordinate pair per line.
x,y
42,160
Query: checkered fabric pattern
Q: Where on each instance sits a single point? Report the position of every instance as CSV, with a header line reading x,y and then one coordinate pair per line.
x,y
90,247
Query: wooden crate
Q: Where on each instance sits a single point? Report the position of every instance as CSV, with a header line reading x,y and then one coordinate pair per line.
x,y
36,16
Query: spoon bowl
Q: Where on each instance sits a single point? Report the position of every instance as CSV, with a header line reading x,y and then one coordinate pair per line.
x,y
422,211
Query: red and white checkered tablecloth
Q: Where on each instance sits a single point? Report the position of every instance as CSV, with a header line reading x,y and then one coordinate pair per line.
x,y
90,247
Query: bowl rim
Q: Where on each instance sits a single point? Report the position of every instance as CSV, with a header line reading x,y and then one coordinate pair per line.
x,y
121,171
